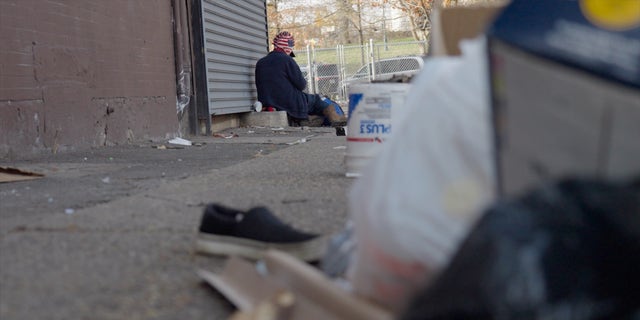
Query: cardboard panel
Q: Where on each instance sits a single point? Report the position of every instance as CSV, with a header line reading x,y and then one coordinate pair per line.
x,y
564,104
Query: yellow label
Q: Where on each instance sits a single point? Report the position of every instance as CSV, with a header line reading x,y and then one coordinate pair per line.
x,y
612,14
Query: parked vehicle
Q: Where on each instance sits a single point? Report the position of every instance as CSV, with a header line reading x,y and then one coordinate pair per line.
x,y
305,74
386,69
327,79
324,80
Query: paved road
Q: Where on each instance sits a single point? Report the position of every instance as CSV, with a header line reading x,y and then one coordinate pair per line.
x,y
108,233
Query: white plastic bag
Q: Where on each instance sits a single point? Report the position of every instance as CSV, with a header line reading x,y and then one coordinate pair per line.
x,y
418,197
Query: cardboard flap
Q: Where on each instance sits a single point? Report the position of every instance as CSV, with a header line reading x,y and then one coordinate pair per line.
x,y
241,283
255,289
451,25
8,174
309,282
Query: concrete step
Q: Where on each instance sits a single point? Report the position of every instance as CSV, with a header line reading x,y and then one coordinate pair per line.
x,y
264,119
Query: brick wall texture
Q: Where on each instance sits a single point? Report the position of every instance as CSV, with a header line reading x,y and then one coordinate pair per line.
x,y
83,73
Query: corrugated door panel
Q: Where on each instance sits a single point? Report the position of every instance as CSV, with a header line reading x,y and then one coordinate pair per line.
x,y
235,37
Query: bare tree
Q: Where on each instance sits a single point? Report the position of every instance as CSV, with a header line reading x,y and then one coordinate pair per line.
x,y
418,12
273,18
343,20
351,20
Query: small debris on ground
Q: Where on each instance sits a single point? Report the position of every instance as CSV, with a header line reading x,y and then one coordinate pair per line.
x,y
180,141
225,135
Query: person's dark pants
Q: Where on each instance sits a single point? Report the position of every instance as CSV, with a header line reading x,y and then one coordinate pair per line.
x,y
316,104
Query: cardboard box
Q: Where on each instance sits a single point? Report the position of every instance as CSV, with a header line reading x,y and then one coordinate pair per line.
x,y
565,78
453,24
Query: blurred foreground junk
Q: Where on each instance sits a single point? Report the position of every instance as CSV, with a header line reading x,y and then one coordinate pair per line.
x,y
417,198
552,113
281,287
567,250
565,81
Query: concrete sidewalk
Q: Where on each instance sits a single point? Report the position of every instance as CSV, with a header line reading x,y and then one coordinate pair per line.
x,y
108,233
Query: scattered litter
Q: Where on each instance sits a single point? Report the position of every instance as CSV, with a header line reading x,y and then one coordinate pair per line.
x,y
179,160
277,129
85,159
8,174
303,140
106,179
257,106
164,147
340,147
251,131
225,136
110,158
69,211
180,141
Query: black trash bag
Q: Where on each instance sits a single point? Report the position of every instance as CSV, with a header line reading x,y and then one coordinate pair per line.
x,y
570,250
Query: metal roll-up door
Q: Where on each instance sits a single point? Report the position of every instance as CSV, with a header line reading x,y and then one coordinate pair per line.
x,y
235,37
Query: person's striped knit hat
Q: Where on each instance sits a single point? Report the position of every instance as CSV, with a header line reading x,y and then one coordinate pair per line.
x,y
284,40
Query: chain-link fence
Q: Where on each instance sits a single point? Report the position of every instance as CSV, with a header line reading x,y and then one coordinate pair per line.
x,y
329,72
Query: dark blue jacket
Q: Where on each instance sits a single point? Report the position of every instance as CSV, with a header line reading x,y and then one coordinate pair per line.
x,y
280,83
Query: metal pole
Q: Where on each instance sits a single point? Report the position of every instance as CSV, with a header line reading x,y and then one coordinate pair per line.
x,y
384,27
310,85
343,74
371,58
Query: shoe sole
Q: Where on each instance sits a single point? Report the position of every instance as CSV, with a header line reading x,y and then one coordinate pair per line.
x,y
338,123
311,250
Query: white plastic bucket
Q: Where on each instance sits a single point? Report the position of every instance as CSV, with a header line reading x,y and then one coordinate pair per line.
x,y
370,120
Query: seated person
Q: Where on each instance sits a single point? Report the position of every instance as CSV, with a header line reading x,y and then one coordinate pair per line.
x,y
280,82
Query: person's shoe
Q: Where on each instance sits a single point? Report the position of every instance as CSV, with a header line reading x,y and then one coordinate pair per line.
x,y
335,119
227,231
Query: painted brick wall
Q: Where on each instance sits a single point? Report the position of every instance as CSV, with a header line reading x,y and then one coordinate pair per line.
x,y
81,73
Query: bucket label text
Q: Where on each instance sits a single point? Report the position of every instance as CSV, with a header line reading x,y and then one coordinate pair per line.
x,y
371,127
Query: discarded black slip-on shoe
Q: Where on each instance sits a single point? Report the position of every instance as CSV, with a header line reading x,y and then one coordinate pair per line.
x,y
227,231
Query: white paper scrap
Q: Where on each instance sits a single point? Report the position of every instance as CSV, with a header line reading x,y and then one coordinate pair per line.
x,y
180,141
